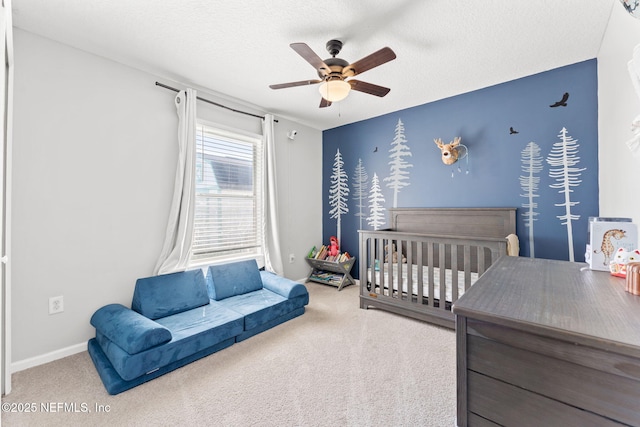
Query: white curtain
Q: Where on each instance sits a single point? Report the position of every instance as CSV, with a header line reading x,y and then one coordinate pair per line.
x,y
272,253
177,244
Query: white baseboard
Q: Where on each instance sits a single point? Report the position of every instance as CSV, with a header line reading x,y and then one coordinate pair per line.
x,y
48,357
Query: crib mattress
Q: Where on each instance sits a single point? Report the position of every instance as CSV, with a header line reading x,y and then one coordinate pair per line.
x,y
425,280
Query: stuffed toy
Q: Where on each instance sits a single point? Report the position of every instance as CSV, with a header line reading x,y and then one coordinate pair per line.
x,y
334,248
394,254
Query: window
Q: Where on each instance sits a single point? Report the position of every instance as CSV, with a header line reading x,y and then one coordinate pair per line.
x,y
228,211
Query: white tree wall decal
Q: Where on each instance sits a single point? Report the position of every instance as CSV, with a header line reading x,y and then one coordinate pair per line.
x,y
563,160
338,193
360,188
531,165
399,175
376,204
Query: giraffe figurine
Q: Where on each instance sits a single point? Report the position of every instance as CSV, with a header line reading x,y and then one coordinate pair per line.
x,y
607,248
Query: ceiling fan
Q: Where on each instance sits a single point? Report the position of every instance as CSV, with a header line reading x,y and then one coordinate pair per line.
x,y
334,72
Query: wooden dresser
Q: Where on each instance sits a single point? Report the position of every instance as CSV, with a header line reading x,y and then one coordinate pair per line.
x,y
547,343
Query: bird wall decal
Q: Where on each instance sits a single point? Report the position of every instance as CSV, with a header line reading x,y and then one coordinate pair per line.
x,y
562,102
512,131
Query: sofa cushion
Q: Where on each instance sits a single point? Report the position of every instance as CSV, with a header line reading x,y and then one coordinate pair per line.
x,y
283,286
236,278
192,332
261,306
115,384
270,324
128,329
167,294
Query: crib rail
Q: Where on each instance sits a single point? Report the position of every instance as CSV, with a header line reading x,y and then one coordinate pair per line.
x,y
437,271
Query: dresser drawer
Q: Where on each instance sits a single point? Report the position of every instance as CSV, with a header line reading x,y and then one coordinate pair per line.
x,y
606,361
508,405
602,393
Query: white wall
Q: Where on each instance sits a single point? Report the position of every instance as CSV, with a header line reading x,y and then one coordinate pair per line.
x,y
618,105
299,166
93,167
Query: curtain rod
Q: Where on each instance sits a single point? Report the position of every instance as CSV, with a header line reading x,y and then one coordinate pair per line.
x,y
213,103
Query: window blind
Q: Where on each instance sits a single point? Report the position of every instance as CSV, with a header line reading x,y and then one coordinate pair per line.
x,y
228,211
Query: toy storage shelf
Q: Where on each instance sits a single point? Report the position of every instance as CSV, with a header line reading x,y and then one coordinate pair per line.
x,y
331,272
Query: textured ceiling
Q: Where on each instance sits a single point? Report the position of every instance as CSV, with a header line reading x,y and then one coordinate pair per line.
x,y
238,48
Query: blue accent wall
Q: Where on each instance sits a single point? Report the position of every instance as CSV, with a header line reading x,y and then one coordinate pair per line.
x,y
482,119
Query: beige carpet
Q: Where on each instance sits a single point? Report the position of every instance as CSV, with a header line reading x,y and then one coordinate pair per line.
x,y
336,365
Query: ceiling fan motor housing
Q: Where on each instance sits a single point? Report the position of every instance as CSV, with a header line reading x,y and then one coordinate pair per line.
x,y
336,65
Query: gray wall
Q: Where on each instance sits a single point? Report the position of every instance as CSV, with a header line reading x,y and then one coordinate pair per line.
x,y
93,168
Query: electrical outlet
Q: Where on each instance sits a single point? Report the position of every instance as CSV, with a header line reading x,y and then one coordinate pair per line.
x,y
56,305
292,258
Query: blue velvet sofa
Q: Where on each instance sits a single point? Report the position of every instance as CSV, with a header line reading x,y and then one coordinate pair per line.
x,y
178,318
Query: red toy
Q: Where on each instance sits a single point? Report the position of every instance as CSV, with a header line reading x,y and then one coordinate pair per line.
x,y
334,248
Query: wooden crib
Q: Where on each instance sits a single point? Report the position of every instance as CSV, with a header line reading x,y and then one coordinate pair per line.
x,y
441,252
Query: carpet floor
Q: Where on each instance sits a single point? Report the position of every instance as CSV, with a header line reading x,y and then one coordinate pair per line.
x,y
336,365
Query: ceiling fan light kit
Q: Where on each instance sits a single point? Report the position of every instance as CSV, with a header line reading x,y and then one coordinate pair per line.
x,y
334,72
334,90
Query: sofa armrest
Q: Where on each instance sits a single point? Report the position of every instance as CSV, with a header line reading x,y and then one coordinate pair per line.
x,y
128,329
282,286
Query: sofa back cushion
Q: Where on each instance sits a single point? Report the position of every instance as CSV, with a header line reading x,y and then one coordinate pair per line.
x,y
167,294
234,278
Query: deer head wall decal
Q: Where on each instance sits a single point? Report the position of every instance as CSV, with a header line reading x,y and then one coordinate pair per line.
x,y
451,151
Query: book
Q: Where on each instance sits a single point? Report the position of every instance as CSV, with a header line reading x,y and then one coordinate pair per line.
x,y
312,252
606,237
322,253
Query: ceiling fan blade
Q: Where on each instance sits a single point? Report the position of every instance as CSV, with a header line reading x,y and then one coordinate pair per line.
x,y
369,88
310,56
293,84
368,62
324,103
